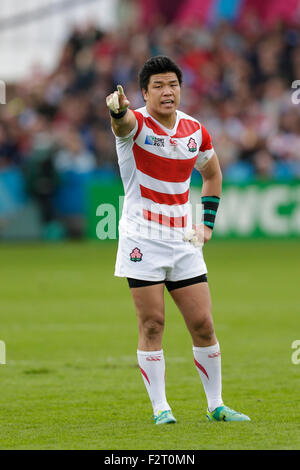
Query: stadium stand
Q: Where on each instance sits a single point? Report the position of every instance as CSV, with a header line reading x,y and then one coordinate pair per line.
x,y
55,129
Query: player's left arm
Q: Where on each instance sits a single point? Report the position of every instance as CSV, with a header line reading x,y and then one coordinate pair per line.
x,y
211,191
212,177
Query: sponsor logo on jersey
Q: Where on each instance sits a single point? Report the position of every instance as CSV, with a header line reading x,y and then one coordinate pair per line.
x,y
156,141
192,145
136,255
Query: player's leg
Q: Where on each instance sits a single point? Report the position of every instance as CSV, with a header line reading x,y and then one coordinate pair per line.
x,y
150,309
194,302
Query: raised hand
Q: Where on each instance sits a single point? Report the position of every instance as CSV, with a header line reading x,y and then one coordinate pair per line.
x,y
117,101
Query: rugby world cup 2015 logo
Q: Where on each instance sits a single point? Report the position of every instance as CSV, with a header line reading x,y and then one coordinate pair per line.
x,y
156,141
136,255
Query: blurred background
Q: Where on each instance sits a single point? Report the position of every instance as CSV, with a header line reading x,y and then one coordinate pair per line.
x,y
71,379
59,59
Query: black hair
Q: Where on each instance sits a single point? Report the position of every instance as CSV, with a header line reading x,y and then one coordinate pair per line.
x,y
158,64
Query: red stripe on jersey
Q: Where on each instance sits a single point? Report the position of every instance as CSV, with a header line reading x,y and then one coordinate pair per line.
x,y
206,140
163,198
140,121
155,127
186,127
162,219
163,169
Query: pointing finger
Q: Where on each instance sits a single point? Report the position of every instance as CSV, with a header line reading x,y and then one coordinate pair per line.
x,y
120,90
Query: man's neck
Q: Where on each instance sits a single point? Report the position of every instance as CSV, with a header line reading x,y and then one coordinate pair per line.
x,y
167,121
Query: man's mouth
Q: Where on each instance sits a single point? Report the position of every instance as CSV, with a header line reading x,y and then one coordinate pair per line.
x,y
167,102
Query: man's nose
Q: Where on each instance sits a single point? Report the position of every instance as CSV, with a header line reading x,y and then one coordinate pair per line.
x,y
167,90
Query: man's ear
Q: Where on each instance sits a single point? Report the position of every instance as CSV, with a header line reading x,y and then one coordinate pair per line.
x,y
145,94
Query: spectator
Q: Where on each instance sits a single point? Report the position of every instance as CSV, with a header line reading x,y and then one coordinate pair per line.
x,y
73,156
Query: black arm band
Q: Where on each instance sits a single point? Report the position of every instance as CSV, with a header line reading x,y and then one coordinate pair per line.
x,y
118,115
210,207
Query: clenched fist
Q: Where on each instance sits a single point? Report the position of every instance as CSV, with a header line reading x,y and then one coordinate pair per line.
x,y
200,235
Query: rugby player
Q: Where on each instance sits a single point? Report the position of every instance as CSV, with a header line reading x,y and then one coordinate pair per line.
x,y
158,146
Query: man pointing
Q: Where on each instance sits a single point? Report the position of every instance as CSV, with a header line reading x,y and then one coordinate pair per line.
x,y
158,146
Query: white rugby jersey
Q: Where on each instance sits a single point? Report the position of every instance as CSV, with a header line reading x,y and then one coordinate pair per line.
x,y
156,164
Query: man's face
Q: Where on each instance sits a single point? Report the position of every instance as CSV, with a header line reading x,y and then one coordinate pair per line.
x,y
163,94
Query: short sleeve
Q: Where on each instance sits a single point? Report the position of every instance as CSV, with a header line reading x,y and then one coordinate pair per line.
x,y
135,131
206,150
130,136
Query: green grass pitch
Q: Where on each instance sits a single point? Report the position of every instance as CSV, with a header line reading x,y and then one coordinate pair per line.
x,y
71,380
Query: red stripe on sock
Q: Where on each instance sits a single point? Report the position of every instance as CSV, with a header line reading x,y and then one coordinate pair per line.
x,y
201,368
145,375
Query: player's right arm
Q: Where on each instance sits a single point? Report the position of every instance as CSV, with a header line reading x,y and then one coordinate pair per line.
x,y
123,119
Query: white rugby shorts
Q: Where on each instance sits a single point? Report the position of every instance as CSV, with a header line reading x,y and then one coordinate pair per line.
x,y
158,260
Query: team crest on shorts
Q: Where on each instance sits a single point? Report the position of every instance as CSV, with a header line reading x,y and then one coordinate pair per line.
x,y
136,255
192,145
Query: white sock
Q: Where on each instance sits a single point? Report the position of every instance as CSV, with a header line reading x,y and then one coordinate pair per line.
x,y
152,366
208,363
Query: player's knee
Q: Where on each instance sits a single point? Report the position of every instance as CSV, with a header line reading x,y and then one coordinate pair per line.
x,y
204,330
153,327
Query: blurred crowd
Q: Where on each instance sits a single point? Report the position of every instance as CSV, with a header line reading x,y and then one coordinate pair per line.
x,y
237,80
